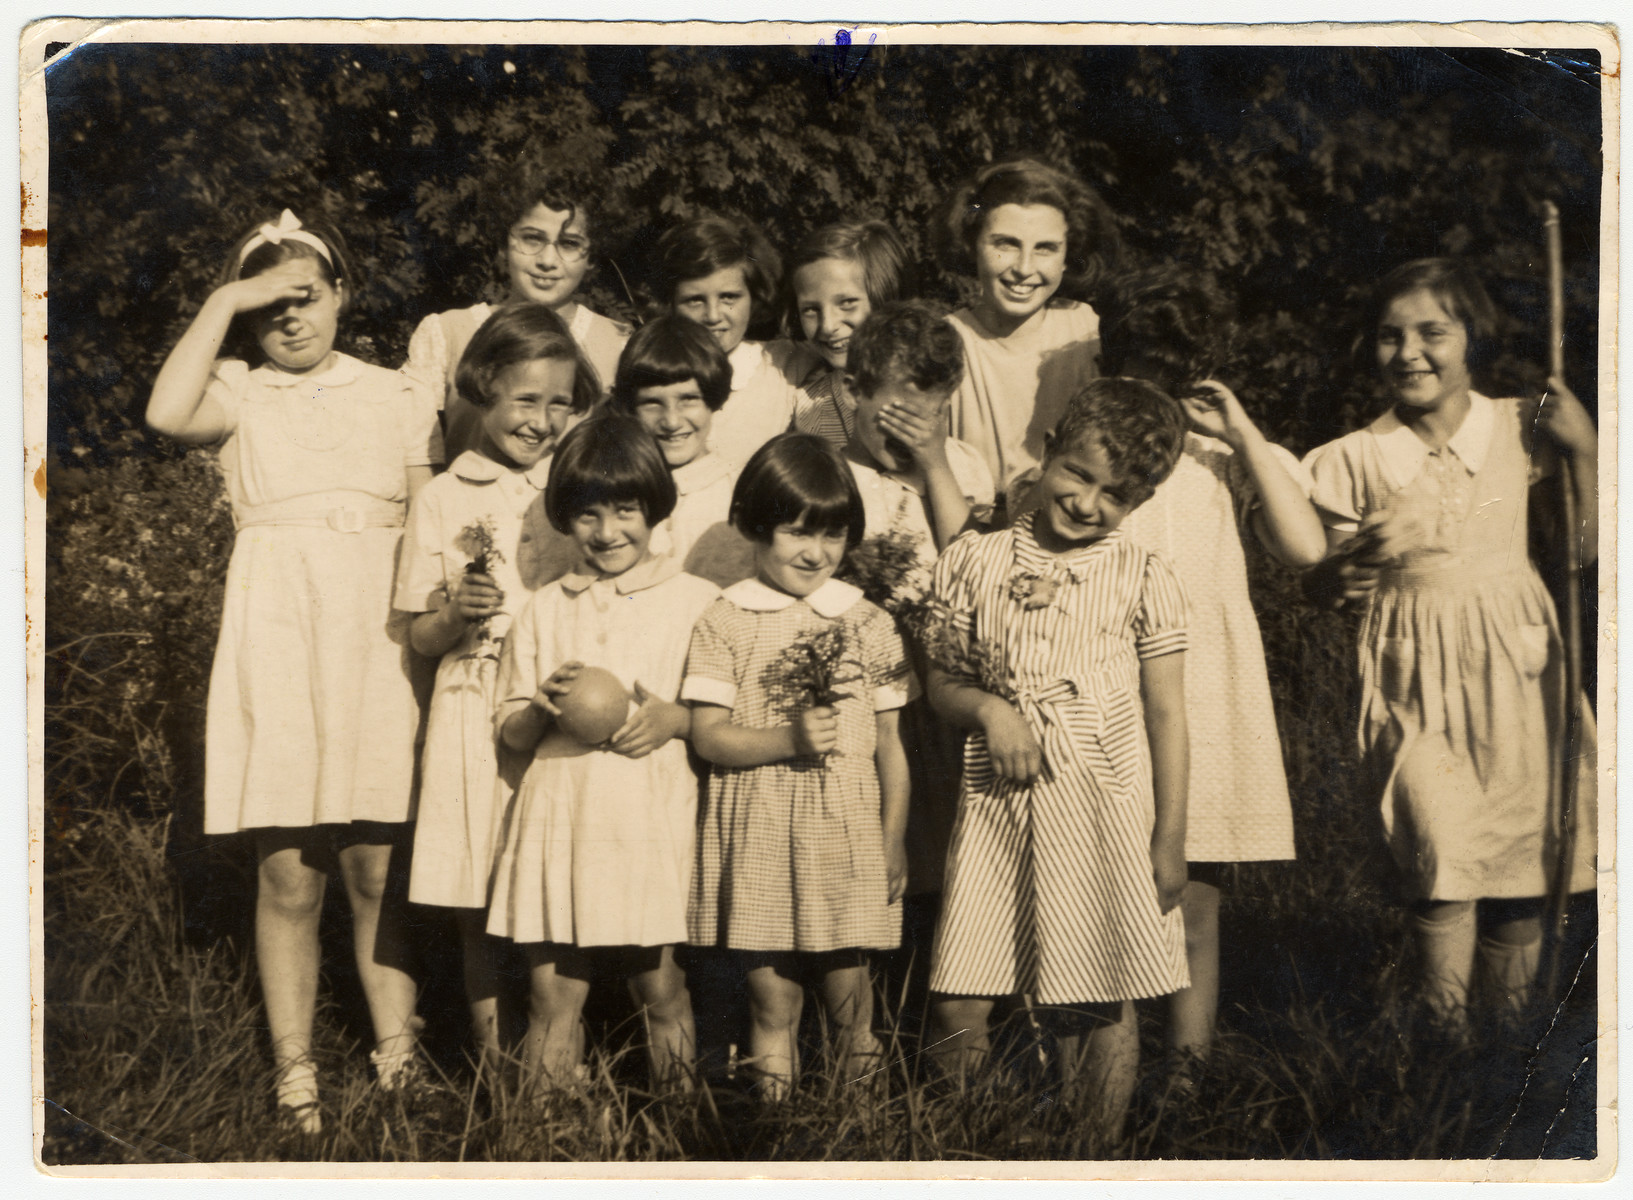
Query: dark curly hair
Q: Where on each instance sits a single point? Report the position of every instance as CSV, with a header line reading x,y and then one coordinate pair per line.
x,y
698,248
906,340
1140,427
1171,325
1458,289
1093,245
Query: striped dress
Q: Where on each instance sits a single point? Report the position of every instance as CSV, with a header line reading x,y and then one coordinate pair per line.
x,y
1049,886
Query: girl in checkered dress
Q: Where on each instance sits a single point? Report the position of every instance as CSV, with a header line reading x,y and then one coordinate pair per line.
x,y
796,682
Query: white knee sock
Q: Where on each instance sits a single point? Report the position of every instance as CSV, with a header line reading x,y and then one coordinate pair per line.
x,y
1446,939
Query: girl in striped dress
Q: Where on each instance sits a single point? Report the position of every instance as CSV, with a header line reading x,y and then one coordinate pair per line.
x,y
796,683
1061,654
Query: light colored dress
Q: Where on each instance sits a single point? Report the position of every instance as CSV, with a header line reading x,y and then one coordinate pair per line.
x,y
439,341
1237,808
1460,657
791,855
764,379
598,847
311,714
467,777
699,532
1015,388
1049,885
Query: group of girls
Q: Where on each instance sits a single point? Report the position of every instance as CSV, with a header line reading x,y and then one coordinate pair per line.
x,y
1071,740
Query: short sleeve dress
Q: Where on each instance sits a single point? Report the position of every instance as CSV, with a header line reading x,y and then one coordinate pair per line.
x,y
467,777
1049,885
699,532
598,847
311,713
764,379
439,341
791,855
1015,388
1238,809
1461,660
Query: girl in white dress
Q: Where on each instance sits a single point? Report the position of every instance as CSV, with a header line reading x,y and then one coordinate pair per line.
x,y
1170,329
1026,232
461,577
724,275
545,225
597,857
311,715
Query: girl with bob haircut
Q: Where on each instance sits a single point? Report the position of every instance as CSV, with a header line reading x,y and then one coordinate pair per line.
x,y
463,576
801,859
544,223
724,275
838,276
1031,235
1462,669
597,855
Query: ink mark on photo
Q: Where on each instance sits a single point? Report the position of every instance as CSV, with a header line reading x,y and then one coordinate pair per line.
x,y
842,61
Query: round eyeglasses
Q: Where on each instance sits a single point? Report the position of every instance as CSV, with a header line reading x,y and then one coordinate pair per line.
x,y
572,247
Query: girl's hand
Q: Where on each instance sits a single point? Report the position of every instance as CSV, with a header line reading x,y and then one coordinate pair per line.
x,y
558,685
289,280
1014,750
895,868
1213,409
921,429
477,597
1168,870
816,731
1566,421
653,723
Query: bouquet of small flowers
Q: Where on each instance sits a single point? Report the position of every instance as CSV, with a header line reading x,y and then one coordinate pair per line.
x,y
814,670
888,569
477,540
953,648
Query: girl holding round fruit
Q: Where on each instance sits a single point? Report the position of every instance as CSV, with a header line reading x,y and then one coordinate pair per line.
x,y
311,715
462,576
594,872
1030,234
546,224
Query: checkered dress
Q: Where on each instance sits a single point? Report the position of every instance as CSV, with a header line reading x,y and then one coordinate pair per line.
x,y
791,855
1049,886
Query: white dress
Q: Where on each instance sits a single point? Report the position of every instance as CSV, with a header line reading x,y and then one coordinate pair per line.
x,y
311,714
467,777
1238,809
761,404
598,847
699,532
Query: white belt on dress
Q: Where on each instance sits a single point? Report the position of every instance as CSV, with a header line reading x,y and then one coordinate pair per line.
x,y
354,516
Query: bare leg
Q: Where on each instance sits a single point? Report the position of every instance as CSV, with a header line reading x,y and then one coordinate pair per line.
x,y
1098,1068
775,1002
481,959
1193,1010
847,994
671,1034
559,982
962,1041
288,905
377,939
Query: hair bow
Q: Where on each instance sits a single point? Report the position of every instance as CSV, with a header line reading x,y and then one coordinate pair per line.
x,y
288,225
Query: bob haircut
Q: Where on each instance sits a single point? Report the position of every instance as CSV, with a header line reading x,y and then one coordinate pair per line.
x,y
240,341
521,333
797,479
698,248
906,341
1140,427
1459,291
1092,241
608,459
1171,326
872,245
671,350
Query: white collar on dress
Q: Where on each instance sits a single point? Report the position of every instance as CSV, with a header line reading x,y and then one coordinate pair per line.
x,y
655,570
698,474
344,370
479,468
833,599
1405,453
745,362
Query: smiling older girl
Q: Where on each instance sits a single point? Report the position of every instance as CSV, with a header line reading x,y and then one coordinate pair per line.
x,y
311,717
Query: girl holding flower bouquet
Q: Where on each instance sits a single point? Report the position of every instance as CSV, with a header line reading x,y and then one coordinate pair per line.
x,y
462,576
796,683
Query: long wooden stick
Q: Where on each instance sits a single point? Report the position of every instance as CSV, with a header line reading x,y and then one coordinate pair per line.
x,y
1566,751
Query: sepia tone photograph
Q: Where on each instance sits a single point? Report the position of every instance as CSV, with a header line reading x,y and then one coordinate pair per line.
x,y
787,599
